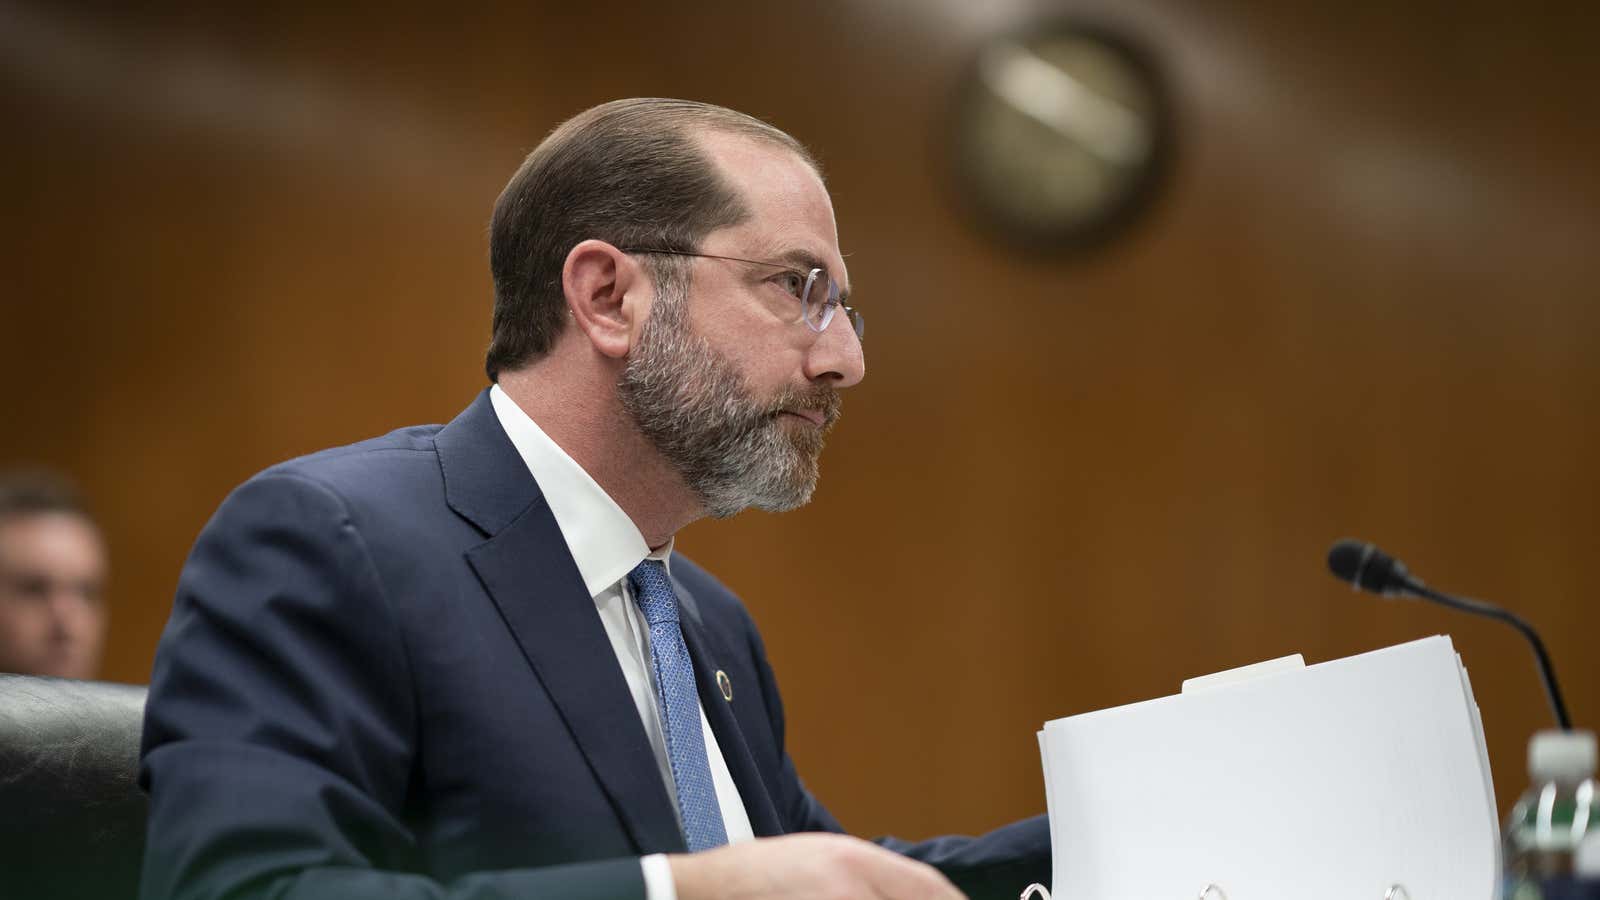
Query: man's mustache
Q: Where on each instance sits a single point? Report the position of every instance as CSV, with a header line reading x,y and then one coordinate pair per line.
x,y
820,398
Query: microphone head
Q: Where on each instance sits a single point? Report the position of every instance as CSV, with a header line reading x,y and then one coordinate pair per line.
x,y
1367,568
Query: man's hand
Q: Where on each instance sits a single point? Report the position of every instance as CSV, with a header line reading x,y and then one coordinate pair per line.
x,y
806,867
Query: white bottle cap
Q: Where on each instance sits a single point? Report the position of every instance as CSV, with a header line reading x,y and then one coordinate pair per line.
x,y
1561,755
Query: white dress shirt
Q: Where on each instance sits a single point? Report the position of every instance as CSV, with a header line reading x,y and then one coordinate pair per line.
x,y
606,545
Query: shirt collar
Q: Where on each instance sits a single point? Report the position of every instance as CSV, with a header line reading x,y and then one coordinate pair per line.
x,y
603,541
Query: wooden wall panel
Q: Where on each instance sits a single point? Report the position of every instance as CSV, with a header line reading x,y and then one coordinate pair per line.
x,y
1365,306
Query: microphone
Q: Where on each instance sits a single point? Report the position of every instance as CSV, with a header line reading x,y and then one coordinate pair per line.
x,y
1366,568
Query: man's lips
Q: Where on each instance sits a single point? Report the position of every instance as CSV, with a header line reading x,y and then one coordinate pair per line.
x,y
814,416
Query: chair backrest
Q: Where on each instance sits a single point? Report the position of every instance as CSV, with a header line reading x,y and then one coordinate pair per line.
x,y
72,817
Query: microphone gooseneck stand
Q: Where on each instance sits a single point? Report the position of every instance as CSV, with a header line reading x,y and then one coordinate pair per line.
x,y
1366,568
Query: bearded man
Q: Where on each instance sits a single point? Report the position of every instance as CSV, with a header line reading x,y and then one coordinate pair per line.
x,y
463,661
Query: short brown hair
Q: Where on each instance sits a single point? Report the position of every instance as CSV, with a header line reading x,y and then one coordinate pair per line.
x,y
627,172
27,492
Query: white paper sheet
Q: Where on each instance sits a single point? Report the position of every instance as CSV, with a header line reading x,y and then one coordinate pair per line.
x,y
1331,782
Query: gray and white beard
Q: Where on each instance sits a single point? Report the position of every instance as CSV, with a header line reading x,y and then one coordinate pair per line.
x,y
695,408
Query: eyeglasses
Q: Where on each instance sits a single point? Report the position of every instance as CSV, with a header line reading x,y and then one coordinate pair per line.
x,y
816,290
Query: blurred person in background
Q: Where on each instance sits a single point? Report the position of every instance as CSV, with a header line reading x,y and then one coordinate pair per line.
x,y
464,661
52,579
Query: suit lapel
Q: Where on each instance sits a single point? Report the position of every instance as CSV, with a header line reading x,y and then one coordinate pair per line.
x,y
529,574
705,650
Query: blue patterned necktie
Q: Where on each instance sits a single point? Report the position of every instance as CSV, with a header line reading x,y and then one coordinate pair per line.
x,y
680,707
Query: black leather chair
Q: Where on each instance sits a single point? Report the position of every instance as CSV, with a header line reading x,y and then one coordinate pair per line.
x,y
72,817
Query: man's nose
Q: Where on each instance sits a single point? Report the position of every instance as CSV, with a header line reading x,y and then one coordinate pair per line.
x,y
836,355
68,608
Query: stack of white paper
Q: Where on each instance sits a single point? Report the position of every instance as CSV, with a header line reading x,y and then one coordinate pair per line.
x,y
1281,782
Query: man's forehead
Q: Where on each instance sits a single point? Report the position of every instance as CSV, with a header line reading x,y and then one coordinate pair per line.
x,y
48,528
791,213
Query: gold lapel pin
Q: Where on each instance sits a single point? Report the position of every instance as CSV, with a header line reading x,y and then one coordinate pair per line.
x,y
725,685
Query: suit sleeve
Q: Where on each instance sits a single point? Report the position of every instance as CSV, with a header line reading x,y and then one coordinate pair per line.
x,y
993,866
279,735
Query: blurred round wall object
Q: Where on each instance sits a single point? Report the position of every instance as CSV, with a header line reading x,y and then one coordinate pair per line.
x,y
1062,134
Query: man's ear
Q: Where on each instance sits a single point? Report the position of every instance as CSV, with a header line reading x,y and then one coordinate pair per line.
x,y
602,289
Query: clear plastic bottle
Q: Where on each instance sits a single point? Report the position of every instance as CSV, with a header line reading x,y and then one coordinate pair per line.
x,y
1559,810
1588,857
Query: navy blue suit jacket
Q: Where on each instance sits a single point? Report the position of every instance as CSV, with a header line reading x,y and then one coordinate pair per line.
x,y
384,678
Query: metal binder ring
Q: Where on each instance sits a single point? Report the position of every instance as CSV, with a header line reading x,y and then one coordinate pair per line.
x,y
1213,892
1397,892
